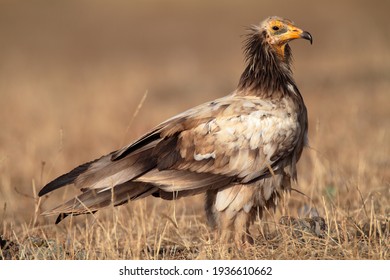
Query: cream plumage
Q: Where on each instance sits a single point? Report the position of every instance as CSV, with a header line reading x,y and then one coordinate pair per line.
x,y
241,150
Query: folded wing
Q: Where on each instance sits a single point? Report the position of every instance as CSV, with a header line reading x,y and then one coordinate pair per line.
x,y
236,139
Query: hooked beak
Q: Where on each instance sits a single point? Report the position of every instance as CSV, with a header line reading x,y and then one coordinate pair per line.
x,y
306,35
294,32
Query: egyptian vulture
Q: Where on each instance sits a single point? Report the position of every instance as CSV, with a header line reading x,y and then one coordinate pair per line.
x,y
240,150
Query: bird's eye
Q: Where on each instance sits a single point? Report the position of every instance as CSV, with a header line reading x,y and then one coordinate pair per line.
x,y
275,27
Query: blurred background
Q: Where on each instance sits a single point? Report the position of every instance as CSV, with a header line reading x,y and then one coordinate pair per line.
x,y
73,73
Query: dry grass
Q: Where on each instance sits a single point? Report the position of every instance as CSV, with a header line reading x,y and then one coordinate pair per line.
x,y
73,73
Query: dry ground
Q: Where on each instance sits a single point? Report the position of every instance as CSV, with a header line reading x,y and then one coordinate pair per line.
x,y
72,74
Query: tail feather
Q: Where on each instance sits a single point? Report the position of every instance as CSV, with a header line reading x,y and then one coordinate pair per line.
x,y
65,179
156,183
118,177
93,200
104,172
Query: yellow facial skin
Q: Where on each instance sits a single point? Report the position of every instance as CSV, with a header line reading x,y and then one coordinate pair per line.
x,y
281,32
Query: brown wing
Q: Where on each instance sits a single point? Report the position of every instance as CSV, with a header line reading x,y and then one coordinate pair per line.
x,y
230,139
243,140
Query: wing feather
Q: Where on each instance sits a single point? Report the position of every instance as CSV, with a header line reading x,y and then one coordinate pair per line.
x,y
233,139
240,140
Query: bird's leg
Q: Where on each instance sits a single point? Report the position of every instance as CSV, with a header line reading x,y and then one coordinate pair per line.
x,y
241,228
225,227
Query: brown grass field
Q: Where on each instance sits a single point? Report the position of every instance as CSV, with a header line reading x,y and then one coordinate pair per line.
x,y
73,82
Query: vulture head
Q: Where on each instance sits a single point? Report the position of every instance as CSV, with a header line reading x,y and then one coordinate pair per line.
x,y
279,31
268,55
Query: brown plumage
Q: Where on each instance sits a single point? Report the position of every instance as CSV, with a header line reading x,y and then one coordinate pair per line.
x,y
241,150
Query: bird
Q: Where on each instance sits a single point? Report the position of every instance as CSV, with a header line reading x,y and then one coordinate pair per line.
x,y
240,150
